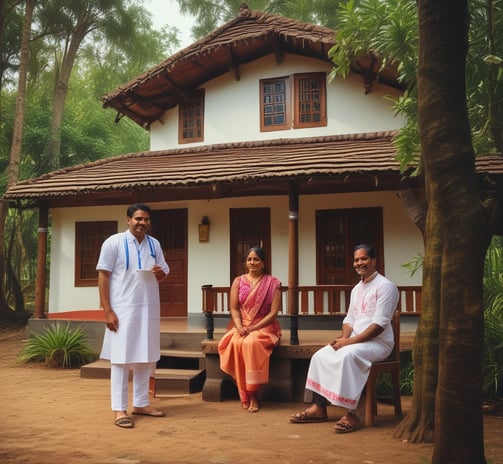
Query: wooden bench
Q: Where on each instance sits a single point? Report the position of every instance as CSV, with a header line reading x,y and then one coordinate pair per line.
x,y
287,371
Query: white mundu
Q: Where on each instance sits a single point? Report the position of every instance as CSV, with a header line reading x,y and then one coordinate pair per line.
x,y
340,375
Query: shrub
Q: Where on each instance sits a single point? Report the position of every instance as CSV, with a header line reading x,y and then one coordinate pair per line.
x,y
58,346
384,385
493,320
493,347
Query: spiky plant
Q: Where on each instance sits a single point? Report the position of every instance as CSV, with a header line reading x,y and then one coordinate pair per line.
x,y
58,346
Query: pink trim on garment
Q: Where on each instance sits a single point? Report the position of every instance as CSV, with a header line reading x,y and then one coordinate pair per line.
x,y
330,395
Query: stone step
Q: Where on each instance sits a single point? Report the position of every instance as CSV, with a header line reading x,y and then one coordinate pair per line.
x,y
99,369
184,341
182,353
182,359
165,382
172,382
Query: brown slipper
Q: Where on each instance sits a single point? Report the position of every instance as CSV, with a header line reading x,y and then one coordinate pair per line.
x,y
304,418
124,422
148,412
347,423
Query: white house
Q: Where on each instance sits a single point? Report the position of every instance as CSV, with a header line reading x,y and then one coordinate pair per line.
x,y
249,135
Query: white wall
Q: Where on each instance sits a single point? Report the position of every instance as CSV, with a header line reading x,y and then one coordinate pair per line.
x,y
232,115
208,262
232,107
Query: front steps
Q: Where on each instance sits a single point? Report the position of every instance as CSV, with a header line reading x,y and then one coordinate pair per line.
x,y
176,382
180,371
165,382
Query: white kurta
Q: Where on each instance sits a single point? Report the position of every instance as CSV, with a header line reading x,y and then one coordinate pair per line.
x,y
340,375
134,296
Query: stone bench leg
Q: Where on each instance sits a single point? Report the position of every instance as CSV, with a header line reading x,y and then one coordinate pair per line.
x,y
280,385
218,385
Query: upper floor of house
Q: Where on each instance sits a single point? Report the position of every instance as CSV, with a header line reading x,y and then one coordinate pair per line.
x,y
292,99
258,77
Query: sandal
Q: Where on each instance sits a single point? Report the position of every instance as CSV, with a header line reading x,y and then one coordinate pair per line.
x,y
148,412
124,422
304,418
349,422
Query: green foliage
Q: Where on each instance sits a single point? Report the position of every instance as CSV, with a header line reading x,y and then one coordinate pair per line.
x,y
384,385
414,264
492,365
118,43
493,320
211,14
58,346
389,29
21,257
10,41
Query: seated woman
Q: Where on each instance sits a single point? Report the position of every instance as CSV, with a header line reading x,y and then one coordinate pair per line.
x,y
255,299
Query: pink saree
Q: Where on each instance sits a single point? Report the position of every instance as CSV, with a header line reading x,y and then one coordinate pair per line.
x,y
246,359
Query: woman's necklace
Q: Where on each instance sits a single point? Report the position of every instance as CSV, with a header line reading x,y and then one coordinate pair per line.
x,y
254,282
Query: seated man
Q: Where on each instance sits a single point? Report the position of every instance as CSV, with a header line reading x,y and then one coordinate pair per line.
x,y
339,371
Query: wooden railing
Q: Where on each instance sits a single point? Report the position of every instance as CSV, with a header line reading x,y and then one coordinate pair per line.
x,y
313,300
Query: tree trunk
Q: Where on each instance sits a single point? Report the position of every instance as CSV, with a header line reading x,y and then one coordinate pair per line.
x,y
459,225
418,425
52,157
415,205
16,146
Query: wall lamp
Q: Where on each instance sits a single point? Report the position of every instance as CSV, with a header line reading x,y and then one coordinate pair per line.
x,y
204,230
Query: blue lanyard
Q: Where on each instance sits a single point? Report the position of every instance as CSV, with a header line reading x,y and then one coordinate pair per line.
x,y
126,248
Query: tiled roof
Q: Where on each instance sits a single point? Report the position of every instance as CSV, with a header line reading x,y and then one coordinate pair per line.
x,y
233,162
249,36
239,164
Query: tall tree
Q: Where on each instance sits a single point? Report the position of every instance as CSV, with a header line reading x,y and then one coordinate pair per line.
x,y
8,38
390,29
457,230
15,152
87,133
68,25
11,20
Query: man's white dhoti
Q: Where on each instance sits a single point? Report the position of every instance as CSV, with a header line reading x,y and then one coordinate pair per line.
x,y
340,375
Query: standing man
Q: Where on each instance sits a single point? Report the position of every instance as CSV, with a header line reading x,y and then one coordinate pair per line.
x,y
338,372
130,266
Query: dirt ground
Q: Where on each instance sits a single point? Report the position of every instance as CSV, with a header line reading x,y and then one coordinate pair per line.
x,y
52,415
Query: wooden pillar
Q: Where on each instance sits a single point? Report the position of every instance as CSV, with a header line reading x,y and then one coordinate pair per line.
x,y
208,308
43,229
293,263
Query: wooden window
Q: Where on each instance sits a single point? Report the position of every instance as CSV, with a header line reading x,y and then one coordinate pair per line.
x,y
89,237
310,100
274,104
337,233
191,119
